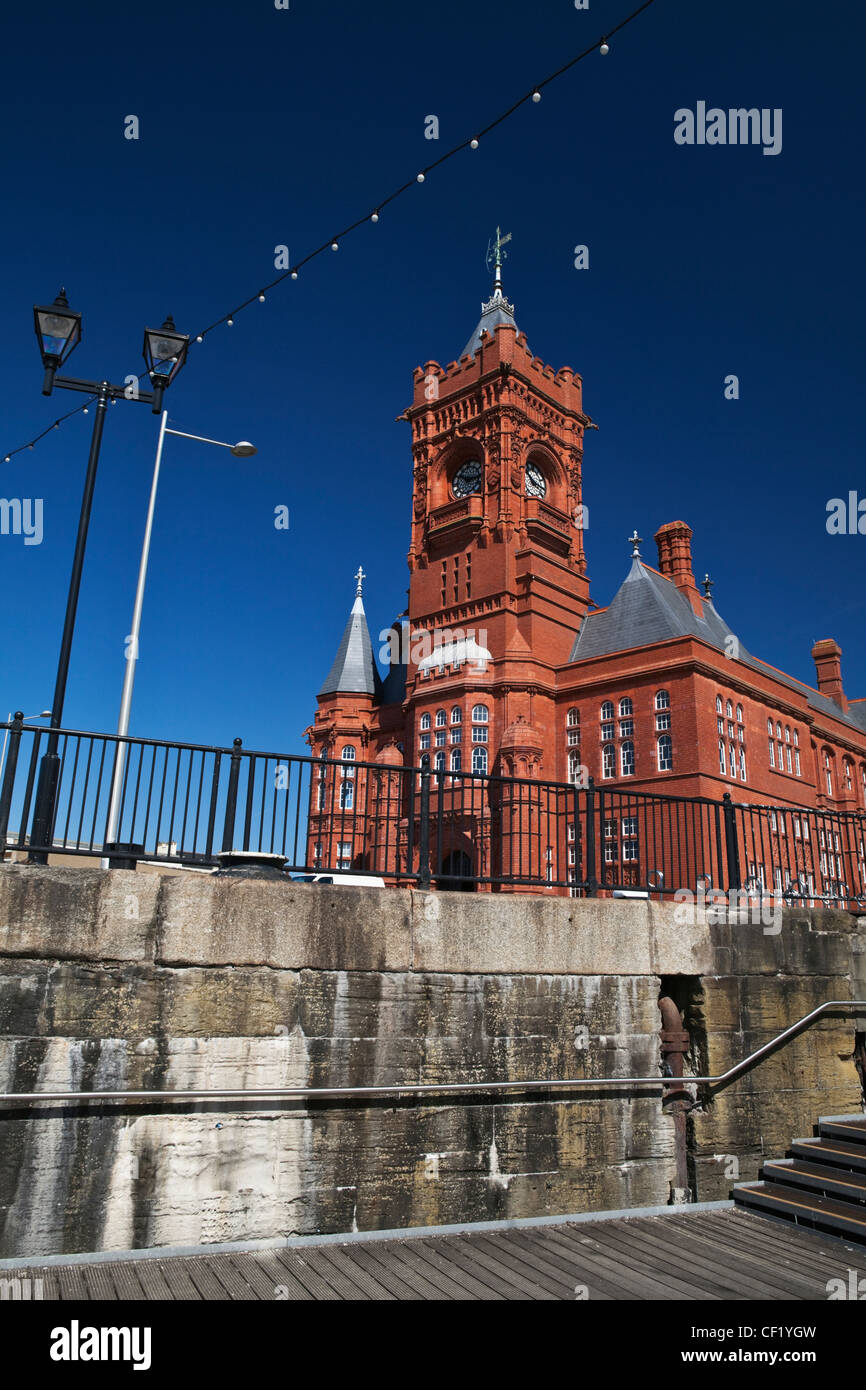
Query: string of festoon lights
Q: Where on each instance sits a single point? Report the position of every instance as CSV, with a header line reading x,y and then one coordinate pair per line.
x,y
600,45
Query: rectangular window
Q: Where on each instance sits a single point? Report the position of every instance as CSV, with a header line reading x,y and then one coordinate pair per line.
x,y
629,851
797,761
479,733
610,829
629,825
440,738
424,741
626,728
720,724
607,766
788,757
573,737
571,832
772,753
663,721
610,853
606,733
572,855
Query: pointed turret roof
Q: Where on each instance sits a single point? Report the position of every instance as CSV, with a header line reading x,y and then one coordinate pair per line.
x,y
354,670
497,309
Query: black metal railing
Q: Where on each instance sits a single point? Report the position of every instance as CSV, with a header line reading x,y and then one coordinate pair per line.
x,y
132,799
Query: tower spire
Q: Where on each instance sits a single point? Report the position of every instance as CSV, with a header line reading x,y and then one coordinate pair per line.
x,y
495,258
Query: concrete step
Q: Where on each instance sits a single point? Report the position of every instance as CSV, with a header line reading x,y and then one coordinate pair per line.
x,y
817,1177
804,1208
833,1152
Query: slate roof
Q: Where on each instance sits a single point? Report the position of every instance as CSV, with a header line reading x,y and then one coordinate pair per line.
x,y
648,608
354,669
497,310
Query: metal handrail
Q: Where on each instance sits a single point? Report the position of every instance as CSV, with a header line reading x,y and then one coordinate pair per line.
x,y
438,1088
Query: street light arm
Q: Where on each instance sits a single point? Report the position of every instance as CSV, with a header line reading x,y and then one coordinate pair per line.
x,y
200,437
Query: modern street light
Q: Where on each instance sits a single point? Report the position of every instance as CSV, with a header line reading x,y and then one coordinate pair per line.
x,y
243,449
58,331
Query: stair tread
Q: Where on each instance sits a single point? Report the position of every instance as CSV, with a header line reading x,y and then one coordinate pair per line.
x,y
855,1183
834,1152
853,1129
806,1205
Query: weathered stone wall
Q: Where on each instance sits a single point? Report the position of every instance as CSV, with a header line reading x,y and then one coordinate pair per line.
x,y
123,980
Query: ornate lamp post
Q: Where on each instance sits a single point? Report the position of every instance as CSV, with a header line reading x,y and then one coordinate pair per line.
x,y
58,332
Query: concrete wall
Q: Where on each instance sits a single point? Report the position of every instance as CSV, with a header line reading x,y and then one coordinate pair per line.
x,y
125,980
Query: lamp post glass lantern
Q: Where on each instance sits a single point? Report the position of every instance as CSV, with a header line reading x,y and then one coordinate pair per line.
x,y
58,332
164,354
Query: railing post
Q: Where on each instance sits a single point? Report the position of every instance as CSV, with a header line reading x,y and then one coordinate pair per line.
x,y
591,878
424,826
232,795
9,778
732,847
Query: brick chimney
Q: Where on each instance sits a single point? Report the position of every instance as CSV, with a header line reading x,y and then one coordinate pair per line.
x,y
674,541
827,656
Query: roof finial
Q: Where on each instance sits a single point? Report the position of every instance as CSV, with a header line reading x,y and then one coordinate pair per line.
x,y
360,576
708,584
634,541
495,257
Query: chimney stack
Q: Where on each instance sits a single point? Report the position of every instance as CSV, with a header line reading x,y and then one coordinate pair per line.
x,y
827,656
674,541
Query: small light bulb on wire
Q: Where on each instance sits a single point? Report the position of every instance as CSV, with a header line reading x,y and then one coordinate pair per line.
x,y
200,338
473,144
261,299
375,217
230,323
294,275
536,96
420,178
335,246
605,47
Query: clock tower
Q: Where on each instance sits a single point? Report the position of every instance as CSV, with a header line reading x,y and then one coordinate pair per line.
x,y
496,556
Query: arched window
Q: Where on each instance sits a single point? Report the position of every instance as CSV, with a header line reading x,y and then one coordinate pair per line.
x,y
742,762
770,727
573,720
663,699
787,734
828,773
456,715
348,756
729,710
608,763
718,704
779,731
439,762
666,753
455,760
849,784
425,721
626,758
733,752
722,766
479,759
607,710
347,795
739,714
479,714
796,739
441,719
772,753
625,706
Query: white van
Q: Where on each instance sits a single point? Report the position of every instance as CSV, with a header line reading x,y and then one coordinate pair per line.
x,y
365,880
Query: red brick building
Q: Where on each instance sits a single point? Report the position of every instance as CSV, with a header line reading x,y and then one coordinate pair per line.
x,y
502,664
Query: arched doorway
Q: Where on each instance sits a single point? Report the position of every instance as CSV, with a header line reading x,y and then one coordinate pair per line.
x,y
456,873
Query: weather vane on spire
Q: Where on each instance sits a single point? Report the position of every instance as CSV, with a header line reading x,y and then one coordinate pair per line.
x,y
360,576
634,541
495,256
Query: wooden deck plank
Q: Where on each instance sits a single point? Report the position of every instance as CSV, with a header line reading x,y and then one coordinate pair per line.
x,y
530,1262
279,1277
429,1253
774,1240
641,1277
368,1287
486,1272
152,1279
564,1260
183,1290
503,1266
315,1257
701,1263
388,1278
295,1265
202,1276
756,1272
395,1255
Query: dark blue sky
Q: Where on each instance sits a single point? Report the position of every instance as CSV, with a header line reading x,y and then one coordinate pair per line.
x,y
260,127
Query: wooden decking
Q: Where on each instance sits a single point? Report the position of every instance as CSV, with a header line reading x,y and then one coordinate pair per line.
x,y
705,1256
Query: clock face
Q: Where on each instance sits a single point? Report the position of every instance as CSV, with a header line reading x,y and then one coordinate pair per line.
x,y
467,479
536,485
